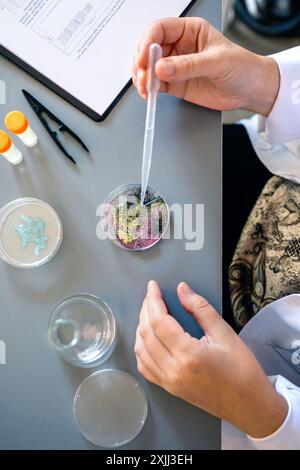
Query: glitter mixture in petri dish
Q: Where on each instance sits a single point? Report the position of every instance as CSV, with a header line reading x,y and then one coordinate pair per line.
x,y
134,226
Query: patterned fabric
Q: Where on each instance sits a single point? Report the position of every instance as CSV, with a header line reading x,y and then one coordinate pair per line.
x,y
266,263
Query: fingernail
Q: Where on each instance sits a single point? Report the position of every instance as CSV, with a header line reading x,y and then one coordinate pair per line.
x,y
151,284
168,67
186,289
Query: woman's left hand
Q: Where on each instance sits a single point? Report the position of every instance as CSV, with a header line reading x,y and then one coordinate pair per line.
x,y
217,373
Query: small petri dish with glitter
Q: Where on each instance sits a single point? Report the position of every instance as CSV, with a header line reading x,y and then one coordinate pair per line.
x,y
30,233
131,225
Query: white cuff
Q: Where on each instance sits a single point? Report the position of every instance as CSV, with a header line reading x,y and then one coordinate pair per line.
x,y
287,437
281,160
283,123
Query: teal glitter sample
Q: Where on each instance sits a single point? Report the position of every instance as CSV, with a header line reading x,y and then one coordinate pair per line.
x,y
33,231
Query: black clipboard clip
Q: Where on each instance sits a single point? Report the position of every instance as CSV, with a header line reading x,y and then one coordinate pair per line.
x,y
40,110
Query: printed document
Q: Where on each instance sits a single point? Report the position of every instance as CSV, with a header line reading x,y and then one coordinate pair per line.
x,y
84,46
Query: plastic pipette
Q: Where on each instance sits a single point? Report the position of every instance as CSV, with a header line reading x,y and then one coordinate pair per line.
x,y
153,85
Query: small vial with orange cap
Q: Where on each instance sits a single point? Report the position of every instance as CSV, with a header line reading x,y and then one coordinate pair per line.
x,y
18,124
8,150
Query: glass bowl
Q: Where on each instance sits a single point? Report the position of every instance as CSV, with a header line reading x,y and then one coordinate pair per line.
x,y
82,329
131,226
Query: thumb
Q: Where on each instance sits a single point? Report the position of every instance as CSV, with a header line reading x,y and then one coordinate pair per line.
x,y
207,317
154,290
184,67
154,294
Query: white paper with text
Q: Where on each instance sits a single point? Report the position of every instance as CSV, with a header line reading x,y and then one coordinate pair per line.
x,y
84,46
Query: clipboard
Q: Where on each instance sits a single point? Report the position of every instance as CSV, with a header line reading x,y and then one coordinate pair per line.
x,y
65,94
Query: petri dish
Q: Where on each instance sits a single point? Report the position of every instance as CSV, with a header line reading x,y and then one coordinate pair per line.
x,y
131,226
110,408
82,329
30,233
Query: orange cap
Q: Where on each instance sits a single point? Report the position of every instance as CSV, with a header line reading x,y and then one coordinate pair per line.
x,y
5,142
16,122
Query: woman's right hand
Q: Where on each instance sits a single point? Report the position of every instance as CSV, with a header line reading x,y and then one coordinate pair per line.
x,y
200,65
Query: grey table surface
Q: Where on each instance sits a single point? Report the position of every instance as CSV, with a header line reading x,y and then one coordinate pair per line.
x,y
36,386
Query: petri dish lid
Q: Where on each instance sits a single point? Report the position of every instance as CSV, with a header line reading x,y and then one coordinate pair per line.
x,y
110,408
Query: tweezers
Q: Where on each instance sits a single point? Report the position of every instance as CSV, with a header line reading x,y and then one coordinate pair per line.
x,y
40,110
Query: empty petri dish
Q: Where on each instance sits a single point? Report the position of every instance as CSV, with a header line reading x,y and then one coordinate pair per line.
x,y
30,233
133,226
110,408
82,329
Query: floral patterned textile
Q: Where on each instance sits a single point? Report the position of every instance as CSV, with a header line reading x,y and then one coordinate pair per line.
x,y
266,263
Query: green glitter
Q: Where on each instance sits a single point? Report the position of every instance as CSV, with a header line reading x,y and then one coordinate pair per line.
x,y
33,231
138,224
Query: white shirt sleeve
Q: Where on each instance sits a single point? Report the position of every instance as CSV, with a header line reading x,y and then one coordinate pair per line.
x,y
283,123
276,139
287,437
